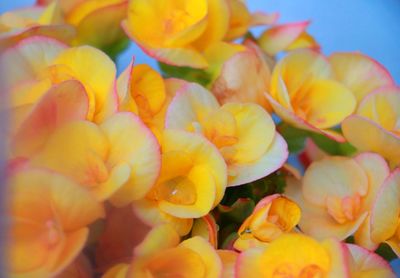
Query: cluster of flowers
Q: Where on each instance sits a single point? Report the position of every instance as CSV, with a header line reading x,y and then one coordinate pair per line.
x,y
184,174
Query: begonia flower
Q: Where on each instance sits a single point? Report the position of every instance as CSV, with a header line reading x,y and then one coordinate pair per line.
x,y
244,133
49,215
304,93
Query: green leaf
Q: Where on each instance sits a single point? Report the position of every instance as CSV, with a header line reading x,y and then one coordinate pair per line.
x,y
117,48
238,212
295,138
332,147
386,252
186,73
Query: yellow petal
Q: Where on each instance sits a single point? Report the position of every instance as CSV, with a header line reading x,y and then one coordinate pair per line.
x,y
97,74
150,214
63,103
230,86
142,156
367,135
360,73
210,258
386,209
89,16
333,176
368,264
217,24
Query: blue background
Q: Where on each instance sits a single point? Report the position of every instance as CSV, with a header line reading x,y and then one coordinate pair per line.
x,y
369,26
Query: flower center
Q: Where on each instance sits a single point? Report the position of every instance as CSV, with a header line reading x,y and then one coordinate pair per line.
x,y
344,209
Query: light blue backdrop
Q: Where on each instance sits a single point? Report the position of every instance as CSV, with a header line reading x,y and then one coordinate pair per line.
x,y
369,26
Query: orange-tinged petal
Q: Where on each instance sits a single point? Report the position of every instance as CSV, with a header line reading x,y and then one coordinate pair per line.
x,y
149,213
28,58
228,259
230,86
217,24
207,228
333,176
367,135
386,210
209,256
279,37
360,73
97,74
274,157
73,245
291,254
327,109
117,271
296,121
305,40
160,238
133,143
364,263
239,19
383,107
63,103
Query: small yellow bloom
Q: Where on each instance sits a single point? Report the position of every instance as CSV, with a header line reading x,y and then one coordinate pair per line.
x,y
273,216
244,133
176,32
161,254
286,37
337,194
376,124
49,216
193,176
304,93
52,63
119,159
294,255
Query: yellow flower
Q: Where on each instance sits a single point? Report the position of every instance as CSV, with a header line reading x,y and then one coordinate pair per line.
x,y
337,194
273,216
176,32
49,215
96,22
294,255
23,23
385,224
376,124
304,93
161,254
229,84
50,62
244,133
143,91
286,37
119,159
192,182
360,73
